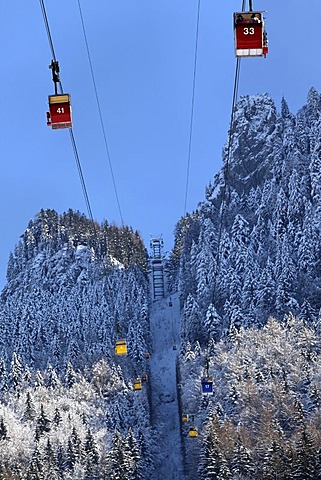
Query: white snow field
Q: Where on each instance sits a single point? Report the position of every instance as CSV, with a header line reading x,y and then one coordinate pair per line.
x,y
164,325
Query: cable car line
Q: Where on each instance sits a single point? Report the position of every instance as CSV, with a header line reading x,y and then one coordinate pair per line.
x,y
100,111
192,106
81,176
73,142
45,17
226,191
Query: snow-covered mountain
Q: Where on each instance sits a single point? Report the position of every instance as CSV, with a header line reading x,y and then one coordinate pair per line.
x,y
68,407
244,295
250,252
252,248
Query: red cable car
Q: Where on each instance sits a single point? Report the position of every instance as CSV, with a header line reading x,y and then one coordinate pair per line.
x,y
59,115
250,35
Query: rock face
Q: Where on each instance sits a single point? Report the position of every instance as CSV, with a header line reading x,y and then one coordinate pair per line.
x,y
252,249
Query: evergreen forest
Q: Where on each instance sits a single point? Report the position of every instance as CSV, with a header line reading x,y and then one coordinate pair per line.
x,y
246,269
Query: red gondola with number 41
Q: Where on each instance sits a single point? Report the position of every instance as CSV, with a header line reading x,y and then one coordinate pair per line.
x,y
59,115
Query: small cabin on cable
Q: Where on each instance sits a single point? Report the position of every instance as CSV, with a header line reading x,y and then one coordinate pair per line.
x,y
193,432
121,347
207,385
138,384
59,115
144,378
185,418
147,355
250,35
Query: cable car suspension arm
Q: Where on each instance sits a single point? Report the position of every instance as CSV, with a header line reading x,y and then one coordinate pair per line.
x,y
54,66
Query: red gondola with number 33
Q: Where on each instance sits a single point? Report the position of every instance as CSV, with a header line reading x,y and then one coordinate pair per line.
x,y
250,34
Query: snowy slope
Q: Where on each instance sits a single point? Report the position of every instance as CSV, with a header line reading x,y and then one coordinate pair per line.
x,y
164,324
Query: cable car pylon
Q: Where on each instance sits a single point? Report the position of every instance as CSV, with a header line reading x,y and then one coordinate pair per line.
x,y
157,268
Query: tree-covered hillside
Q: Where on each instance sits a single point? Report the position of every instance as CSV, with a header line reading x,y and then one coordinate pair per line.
x,y
246,264
263,420
252,248
246,272
68,409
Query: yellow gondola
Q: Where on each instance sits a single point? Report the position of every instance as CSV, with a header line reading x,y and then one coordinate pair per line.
x,y
185,418
193,432
138,384
121,347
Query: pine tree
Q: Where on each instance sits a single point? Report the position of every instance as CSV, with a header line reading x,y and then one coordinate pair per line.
x,y
70,377
134,455
304,464
49,463
71,457
35,468
60,461
213,463
118,461
274,462
52,380
136,342
3,430
192,320
92,457
213,323
57,417
42,422
241,463
3,376
30,411
16,372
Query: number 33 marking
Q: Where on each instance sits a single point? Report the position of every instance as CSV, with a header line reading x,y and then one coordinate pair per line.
x,y
248,31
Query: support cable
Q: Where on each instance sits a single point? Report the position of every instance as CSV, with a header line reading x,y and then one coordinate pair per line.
x,y
226,188
192,106
73,142
100,111
44,14
81,176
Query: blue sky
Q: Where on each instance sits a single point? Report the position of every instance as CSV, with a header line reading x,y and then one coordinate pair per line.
x,y
143,55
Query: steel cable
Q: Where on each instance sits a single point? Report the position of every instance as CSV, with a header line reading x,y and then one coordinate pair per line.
x,y
192,107
100,112
73,142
